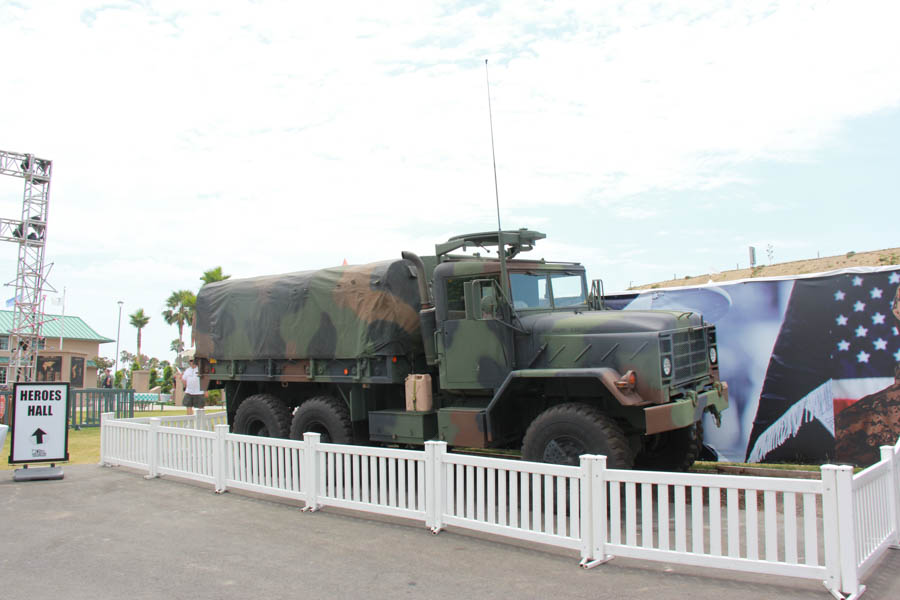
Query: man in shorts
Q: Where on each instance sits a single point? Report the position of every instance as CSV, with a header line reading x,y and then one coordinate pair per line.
x,y
193,397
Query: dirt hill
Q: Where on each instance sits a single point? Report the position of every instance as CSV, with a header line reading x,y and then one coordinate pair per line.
x,y
875,258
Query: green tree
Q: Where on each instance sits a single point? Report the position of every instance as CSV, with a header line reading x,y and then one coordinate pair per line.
x,y
126,357
167,380
213,275
180,309
139,320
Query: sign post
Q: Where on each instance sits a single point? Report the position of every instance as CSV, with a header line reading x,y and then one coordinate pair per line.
x,y
39,429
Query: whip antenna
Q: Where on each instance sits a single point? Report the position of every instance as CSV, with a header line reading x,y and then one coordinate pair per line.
x,y
501,246
493,153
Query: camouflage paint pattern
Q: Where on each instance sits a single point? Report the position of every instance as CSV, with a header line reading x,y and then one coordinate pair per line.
x,y
463,426
342,312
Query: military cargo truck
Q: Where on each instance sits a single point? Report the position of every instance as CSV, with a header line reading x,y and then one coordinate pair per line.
x,y
519,353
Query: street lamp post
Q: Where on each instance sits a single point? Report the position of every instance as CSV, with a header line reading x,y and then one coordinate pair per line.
x,y
118,331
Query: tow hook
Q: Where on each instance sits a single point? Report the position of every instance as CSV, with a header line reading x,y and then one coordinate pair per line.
x,y
716,415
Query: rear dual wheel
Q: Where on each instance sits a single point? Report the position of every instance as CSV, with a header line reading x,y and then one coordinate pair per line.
x,y
325,415
263,415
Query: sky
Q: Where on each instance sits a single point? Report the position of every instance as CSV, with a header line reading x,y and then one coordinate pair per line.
x,y
646,139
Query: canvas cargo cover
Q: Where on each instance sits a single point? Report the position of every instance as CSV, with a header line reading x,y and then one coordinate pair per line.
x,y
341,312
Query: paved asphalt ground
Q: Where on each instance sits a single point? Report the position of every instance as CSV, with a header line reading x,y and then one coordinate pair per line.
x,y
109,533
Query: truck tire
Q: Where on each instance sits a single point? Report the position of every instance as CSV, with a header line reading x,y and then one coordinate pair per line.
x,y
564,432
674,450
324,415
263,415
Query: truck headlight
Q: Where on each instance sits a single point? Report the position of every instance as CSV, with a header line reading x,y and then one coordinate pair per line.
x,y
713,355
667,366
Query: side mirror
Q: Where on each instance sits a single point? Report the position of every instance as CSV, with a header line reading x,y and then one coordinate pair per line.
x,y
484,300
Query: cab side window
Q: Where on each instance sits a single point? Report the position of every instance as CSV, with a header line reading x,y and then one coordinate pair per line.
x,y
456,299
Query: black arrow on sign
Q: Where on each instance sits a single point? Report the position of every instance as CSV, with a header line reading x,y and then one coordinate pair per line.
x,y
39,434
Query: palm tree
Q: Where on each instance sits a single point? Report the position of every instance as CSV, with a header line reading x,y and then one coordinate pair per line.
x,y
180,310
213,275
139,319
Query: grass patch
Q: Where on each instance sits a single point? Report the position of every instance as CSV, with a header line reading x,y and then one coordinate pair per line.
x,y
84,444
703,465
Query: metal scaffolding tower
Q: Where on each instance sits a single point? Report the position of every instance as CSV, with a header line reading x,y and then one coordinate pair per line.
x,y
30,234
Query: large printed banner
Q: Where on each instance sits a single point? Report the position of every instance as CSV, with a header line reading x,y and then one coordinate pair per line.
x,y
812,363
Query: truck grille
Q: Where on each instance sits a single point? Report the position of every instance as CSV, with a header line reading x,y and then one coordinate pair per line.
x,y
688,352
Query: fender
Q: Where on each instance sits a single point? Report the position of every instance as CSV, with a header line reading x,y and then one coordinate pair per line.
x,y
604,375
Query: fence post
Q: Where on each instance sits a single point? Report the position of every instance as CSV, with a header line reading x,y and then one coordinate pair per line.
x,y
839,521
847,530
198,418
830,531
153,450
434,485
309,477
104,433
220,458
593,511
887,453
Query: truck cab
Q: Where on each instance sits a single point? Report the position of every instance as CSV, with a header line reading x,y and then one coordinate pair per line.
x,y
544,345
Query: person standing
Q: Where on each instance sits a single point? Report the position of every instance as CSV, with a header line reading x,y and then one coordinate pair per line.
x,y
193,397
107,380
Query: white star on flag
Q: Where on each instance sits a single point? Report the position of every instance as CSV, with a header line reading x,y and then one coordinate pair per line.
x,y
895,278
878,319
843,345
857,281
839,295
880,344
859,306
862,356
875,293
841,320
897,355
861,331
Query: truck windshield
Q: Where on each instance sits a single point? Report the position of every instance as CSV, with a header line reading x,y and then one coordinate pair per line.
x,y
547,290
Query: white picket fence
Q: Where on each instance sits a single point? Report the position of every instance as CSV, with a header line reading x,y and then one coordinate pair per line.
x,y
833,529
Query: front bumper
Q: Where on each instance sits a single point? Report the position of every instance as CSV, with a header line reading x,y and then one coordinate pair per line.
x,y
687,411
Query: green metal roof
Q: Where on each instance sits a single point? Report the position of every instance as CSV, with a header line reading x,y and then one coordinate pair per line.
x,y
71,328
4,360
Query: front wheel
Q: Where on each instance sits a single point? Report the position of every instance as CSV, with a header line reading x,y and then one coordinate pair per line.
x,y
263,415
562,433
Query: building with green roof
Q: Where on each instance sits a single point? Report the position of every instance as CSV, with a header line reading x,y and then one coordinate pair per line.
x,y
66,353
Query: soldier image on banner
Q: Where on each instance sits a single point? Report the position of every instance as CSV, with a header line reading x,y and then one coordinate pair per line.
x,y
873,421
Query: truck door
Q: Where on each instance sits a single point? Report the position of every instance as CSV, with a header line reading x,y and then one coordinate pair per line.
x,y
476,345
